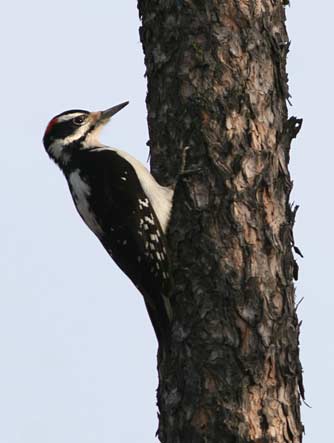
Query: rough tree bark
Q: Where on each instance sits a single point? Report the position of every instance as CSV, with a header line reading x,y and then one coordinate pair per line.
x,y
217,84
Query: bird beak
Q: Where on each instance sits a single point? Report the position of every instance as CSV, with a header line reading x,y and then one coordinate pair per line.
x,y
108,113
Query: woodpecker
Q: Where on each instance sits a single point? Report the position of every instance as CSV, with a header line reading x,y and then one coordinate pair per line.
x,y
120,201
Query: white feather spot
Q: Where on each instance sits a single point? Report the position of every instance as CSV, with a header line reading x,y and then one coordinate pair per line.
x,y
149,220
144,203
161,197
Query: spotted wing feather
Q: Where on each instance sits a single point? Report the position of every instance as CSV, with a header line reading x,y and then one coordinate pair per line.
x,y
127,227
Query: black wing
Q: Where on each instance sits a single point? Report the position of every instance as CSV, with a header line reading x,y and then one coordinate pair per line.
x,y
132,234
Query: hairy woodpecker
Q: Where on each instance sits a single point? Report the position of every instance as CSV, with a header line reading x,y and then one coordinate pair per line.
x,y
120,201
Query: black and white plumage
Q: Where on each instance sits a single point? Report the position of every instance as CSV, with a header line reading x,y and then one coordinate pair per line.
x,y
120,202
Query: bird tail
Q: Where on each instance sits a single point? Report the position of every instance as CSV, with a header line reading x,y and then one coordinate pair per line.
x,y
160,314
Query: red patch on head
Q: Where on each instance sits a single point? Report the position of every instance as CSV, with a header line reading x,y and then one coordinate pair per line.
x,y
50,125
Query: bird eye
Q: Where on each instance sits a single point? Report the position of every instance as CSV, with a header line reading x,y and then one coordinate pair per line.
x,y
79,120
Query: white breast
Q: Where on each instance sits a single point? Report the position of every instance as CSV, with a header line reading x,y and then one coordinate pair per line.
x,y
80,193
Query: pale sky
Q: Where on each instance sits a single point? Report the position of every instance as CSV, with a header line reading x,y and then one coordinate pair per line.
x,y
78,355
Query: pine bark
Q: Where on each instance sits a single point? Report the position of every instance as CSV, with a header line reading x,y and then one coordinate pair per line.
x,y
217,92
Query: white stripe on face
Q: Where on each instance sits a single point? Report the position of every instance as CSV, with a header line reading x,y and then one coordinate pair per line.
x,y
57,149
66,117
80,132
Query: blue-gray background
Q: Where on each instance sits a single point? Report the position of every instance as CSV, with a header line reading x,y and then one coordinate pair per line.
x,y
77,353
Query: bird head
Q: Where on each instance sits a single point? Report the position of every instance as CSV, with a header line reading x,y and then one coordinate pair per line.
x,y
75,129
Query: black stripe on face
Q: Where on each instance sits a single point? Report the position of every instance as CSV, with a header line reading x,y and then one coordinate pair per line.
x,y
61,129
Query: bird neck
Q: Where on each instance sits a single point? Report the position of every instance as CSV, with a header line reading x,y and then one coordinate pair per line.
x,y
64,155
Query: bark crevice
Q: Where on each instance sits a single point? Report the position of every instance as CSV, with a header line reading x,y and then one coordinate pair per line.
x,y
217,84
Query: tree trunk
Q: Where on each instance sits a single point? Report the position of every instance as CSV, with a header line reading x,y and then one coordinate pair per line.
x,y
217,85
